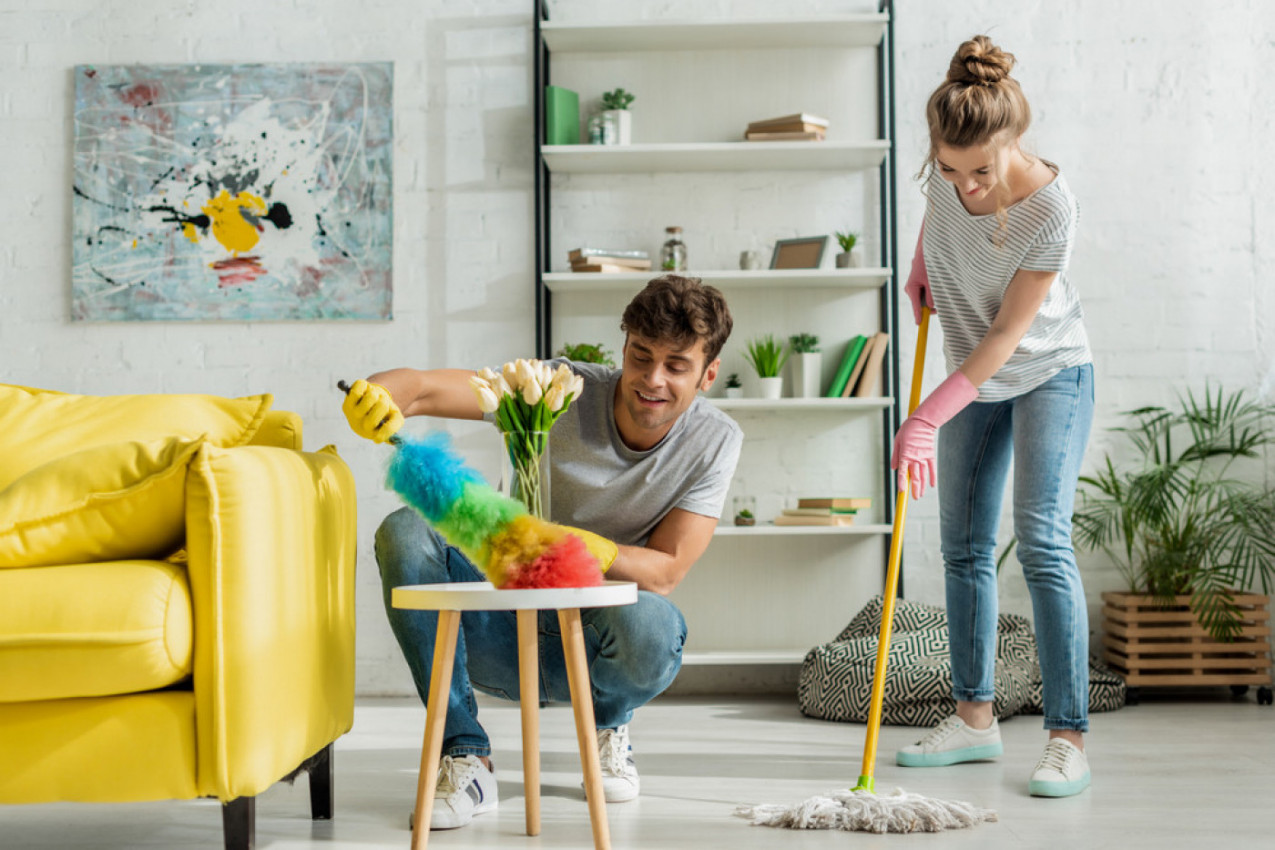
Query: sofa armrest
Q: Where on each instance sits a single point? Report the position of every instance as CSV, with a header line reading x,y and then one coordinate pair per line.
x,y
271,542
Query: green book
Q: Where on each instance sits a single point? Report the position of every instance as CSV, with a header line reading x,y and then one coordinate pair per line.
x,y
853,349
562,116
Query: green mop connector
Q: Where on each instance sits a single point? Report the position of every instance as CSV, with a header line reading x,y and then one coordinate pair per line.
x,y
866,783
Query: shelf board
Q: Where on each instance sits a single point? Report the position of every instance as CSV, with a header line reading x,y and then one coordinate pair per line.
x,y
714,156
768,530
790,404
759,656
630,282
864,30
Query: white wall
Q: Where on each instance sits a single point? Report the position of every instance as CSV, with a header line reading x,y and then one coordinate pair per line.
x,y
1156,109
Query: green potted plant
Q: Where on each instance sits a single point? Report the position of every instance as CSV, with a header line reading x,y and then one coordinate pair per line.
x,y
615,110
1187,524
767,356
745,517
851,255
734,387
587,352
807,365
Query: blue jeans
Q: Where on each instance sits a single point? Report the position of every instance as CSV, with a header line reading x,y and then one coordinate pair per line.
x,y
634,651
1044,432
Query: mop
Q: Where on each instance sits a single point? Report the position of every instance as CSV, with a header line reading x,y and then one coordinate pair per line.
x,y
859,809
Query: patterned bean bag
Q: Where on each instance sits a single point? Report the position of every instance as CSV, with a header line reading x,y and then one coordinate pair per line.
x,y
836,678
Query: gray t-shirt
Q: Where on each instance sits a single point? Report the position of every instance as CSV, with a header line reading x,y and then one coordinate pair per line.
x,y
602,485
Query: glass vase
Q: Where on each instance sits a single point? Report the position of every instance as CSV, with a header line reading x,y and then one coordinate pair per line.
x,y
524,470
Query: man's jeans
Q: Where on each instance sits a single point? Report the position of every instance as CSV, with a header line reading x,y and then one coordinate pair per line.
x,y
634,651
1044,432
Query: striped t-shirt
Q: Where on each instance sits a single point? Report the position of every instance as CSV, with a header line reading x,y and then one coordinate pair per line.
x,y
970,260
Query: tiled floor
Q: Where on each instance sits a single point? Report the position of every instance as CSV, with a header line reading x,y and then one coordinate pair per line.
x,y
1186,771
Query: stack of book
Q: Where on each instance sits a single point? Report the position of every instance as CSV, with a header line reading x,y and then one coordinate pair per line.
x,y
861,368
823,511
800,127
601,260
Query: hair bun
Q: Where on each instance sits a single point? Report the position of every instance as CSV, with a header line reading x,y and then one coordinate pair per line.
x,y
980,62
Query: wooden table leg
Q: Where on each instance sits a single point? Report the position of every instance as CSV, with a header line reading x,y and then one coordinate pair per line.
x,y
586,732
440,680
529,698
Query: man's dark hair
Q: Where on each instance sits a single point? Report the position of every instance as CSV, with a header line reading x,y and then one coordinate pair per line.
x,y
680,311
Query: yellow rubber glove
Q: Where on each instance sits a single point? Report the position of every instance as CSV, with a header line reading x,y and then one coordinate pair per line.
x,y
599,547
371,411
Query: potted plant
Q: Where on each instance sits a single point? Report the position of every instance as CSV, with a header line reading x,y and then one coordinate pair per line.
x,y
734,388
1191,530
807,365
587,352
851,255
745,517
767,356
615,109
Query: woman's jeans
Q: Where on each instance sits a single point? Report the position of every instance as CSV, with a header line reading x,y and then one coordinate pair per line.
x,y
634,651
1044,433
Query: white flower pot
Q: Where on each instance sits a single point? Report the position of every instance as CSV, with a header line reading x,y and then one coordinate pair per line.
x,y
852,259
806,373
734,392
771,387
622,120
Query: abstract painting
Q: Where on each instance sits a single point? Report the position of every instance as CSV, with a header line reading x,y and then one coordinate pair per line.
x,y
232,192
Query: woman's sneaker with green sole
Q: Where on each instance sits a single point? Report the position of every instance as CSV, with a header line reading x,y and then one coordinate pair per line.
x,y
952,742
1061,772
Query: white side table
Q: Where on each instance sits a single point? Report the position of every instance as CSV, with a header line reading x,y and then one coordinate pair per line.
x,y
449,600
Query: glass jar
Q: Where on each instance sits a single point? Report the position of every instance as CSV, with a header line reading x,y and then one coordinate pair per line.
x,y
673,254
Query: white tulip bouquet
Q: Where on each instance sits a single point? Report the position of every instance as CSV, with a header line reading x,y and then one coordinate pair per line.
x,y
527,397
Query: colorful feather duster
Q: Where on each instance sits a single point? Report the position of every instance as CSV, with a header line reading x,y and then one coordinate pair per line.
x,y
513,548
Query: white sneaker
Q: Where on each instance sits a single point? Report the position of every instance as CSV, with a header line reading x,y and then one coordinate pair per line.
x,y
620,781
465,788
1062,771
952,742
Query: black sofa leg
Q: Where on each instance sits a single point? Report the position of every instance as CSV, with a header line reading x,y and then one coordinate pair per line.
x,y
239,823
320,769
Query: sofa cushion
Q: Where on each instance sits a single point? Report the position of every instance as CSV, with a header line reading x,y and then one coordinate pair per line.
x,y
121,500
87,630
37,426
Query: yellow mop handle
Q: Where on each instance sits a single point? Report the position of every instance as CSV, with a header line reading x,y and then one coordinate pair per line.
x,y
866,781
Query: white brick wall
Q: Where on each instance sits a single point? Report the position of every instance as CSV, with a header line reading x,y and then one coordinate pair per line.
x,y
1157,109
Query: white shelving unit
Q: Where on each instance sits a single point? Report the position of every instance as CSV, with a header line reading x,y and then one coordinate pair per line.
x,y
762,595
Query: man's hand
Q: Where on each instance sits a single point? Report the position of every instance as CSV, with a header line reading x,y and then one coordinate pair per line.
x,y
599,547
371,411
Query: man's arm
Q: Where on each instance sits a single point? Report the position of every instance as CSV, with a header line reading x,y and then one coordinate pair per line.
x,y
444,393
672,549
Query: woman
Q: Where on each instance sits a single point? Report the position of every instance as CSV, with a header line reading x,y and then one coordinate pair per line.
x,y
992,263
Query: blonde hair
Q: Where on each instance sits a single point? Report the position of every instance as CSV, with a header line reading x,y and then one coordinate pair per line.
x,y
978,104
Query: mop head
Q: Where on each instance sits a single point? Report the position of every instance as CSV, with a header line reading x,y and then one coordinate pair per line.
x,y
513,548
863,811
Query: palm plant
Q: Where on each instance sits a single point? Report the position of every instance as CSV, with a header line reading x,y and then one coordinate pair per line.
x,y
766,355
1182,519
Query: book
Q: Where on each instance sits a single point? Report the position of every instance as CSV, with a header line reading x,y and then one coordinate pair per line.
x,y
843,502
819,511
610,268
753,136
853,349
868,344
562,116
795,118
872,371
794,127
639,265
838,519
581,253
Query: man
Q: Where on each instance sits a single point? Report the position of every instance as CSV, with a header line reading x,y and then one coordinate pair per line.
x,y
638,458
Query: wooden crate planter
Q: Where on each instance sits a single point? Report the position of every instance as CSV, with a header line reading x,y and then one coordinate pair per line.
x,y
1150,645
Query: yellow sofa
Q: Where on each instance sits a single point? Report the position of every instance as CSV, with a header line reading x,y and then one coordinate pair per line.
x,y
176,601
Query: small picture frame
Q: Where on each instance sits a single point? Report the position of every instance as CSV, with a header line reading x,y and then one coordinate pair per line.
x,y
804,253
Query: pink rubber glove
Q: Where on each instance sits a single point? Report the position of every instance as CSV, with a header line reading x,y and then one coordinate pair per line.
x,y
914,451
918,285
